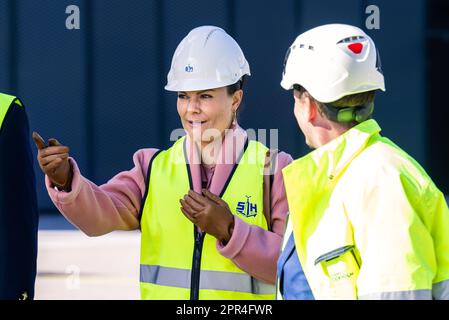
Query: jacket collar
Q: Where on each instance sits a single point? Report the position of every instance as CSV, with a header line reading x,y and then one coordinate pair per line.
x,y
339,152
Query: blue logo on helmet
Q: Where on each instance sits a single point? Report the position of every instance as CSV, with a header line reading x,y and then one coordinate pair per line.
x,y
188,68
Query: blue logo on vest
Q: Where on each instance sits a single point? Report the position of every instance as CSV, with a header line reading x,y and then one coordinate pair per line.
x,y
247,208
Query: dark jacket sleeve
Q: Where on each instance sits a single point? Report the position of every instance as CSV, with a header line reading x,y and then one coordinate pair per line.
x,y
18,208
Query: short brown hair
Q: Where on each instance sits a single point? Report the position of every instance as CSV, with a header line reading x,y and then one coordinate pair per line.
x,y
354,100
358,101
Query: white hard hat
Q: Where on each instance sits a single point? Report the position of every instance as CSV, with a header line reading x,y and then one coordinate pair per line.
x,y
333,61
206,58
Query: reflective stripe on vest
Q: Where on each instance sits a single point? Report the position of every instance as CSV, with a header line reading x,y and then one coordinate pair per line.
x,y
399,295
5,102
440,290
168,243
211,280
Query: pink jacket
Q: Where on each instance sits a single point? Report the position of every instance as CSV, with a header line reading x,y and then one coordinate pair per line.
x,y
115,205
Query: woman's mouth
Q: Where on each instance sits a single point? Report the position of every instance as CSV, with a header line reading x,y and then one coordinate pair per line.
x,y
196,123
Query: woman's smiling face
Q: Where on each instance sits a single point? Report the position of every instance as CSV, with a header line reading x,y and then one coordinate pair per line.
x,y
212,110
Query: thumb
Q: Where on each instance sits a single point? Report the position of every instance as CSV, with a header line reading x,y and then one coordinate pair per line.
x,y
40,143
53,142
213,197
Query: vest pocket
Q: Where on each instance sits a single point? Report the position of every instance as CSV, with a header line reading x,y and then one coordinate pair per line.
x,y
341,267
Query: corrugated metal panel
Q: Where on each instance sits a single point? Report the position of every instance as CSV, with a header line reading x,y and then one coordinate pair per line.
x,y
100,89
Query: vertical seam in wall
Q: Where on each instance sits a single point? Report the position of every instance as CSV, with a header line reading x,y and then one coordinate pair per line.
x,y
297,4
231,18
89,113
297,12
13,41
425,54
363,4
160,34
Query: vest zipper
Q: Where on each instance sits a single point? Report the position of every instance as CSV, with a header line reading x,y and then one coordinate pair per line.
x,y
196,264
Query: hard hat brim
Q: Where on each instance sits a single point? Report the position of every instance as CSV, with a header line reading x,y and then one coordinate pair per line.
x,y
196,85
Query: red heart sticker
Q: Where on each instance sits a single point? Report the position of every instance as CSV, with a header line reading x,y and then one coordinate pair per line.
x,y
356,47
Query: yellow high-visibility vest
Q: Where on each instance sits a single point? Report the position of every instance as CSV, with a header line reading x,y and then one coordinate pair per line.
x,y
5,102
177,262
368,221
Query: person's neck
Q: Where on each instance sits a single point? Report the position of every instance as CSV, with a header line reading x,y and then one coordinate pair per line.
x,y
327,133
210,151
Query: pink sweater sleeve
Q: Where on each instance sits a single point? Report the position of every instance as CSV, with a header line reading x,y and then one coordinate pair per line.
x,y
253,249
115,205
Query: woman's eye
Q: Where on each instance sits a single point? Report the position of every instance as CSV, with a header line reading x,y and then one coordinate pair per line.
x,y
182,96
206,96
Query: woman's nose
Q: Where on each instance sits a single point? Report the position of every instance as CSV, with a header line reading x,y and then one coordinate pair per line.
x,y
193,105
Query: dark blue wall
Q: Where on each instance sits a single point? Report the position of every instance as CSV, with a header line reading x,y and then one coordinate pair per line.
x,y
100,89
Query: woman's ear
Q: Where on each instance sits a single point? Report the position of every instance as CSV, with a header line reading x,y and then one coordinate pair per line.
x,y
237,99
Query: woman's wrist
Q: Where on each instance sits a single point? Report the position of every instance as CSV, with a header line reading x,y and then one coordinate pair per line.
x,y
67,186
230,230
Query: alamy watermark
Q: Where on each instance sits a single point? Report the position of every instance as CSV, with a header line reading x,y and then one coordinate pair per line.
x,y
73,21
212,146
373,20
